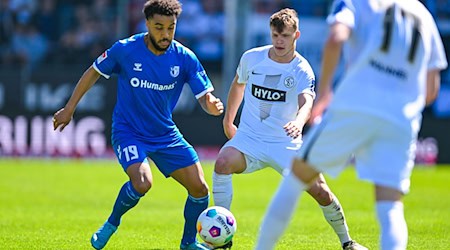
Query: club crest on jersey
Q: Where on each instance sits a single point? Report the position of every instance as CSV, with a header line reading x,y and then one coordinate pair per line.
x,y
267,94
289,82
174,71
102,57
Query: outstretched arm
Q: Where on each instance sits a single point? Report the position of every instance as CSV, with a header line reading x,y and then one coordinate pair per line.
x,y
63,116
235,96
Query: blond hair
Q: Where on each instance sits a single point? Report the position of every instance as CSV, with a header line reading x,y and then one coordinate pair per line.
x,y
284,18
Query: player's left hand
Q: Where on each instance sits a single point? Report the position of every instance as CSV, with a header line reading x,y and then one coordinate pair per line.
x,y
293,129
214,104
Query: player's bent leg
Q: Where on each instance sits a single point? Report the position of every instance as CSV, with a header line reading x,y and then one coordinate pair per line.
x,y
140,182
331,208
229,161
141,177
389,207
128,197
333,212
320,191
192,178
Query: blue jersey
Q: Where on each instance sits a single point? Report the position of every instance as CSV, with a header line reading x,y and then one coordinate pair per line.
x,y
149,86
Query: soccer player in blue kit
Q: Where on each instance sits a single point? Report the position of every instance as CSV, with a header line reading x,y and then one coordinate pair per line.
x,y
152,69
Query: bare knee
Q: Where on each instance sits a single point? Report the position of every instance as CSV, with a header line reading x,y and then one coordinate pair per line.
x,y
141,177
199,190
142,186
223,165
230,161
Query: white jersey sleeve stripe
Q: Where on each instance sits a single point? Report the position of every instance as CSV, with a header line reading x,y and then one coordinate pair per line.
x,y
204,92
101,73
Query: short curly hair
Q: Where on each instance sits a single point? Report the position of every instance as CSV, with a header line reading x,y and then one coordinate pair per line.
x,y
162,7
284,18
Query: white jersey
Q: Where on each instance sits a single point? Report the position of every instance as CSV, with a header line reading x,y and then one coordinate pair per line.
x,y
392,46
271,93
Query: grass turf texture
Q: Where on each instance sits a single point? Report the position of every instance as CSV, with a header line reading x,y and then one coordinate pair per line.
x,y
58,204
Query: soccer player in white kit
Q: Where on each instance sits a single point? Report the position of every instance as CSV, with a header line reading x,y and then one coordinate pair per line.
x,y
394,55
277,85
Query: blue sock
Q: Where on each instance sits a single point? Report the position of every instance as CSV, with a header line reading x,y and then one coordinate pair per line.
x,y
128,197
193,208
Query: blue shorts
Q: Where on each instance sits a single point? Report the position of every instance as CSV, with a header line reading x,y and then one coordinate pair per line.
x,y
167,157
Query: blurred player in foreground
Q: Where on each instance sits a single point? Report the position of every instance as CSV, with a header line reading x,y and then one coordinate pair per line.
x,y
394,58
277,84
152,69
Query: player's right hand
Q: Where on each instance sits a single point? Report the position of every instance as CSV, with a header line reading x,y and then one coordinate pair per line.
x,y
62,118
229,130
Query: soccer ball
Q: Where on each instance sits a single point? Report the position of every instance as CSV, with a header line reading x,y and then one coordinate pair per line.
x,y
216,226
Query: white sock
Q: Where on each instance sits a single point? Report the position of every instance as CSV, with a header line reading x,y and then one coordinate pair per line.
x,y
334,214
394,231
280,212
222,190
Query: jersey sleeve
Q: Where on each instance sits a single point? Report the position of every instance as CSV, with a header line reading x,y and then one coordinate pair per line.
x,y
197,78
342,11
108,62
438,59
241,70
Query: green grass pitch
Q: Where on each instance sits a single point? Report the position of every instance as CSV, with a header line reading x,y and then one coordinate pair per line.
x,y
58,204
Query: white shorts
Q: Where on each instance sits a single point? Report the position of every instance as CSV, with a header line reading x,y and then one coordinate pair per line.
x,y
260,154
383,151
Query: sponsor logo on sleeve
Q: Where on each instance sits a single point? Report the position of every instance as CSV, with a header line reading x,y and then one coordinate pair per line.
x,y
102,57
201,73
